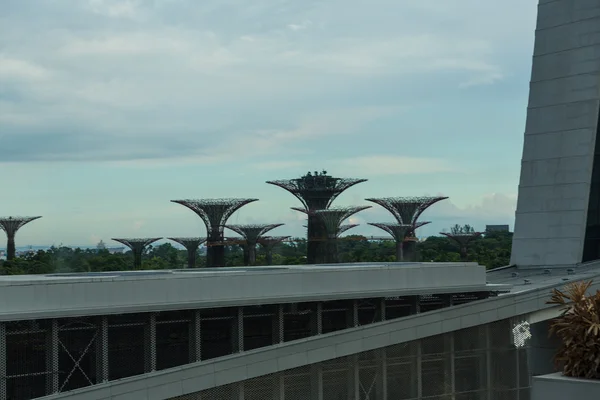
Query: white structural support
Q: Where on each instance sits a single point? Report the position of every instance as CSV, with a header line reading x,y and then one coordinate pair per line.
x,y
3,360
150,343
316,377
102,351
52,350
196,336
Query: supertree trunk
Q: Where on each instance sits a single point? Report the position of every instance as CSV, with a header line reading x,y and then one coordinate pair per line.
x,y
463,253
410,250
137,260
11,249
191,257
399,251
269,256
251,254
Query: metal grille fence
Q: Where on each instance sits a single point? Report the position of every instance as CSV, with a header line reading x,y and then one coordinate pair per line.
x,y
487,362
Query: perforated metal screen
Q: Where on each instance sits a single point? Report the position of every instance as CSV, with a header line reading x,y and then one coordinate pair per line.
x,y
481,363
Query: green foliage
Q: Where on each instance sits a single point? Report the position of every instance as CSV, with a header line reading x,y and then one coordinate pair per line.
x,y
491,250
578,328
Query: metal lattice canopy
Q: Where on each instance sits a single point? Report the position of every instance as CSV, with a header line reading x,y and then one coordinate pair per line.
x,y
189,242
407,210
270,241
398,231
214,212
252,232
316,190
136,244
463,239
344,228
11,225
333,217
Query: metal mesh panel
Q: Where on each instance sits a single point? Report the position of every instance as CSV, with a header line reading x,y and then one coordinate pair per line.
x,y
77,353
26,351
126,345
481,363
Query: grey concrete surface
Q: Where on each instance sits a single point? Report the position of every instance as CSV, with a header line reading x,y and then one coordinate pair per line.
x,y
31,297
206,374
558,387
560,134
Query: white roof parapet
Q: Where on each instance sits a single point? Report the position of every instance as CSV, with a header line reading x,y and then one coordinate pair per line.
x,y
65,295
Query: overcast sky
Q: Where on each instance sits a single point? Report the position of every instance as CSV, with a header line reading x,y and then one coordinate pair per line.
x,y
111,108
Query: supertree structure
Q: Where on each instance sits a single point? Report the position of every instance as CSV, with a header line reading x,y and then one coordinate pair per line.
x,y
332,222
251,233
11,225
214,214
267,243
137,246
191,244
407,210
463,239
400,233
316,191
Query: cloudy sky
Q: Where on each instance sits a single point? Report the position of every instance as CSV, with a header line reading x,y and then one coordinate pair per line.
x,y
111,108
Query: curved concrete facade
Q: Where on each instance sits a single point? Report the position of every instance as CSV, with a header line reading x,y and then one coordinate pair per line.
x,y
560,136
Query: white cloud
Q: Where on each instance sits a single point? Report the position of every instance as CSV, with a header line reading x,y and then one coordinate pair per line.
x,y
377,165
13,68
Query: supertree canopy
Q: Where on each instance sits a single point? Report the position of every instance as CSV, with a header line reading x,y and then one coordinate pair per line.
x,y
316,191
191,244
332,221
215,213
251,234
11,225
463,240
137,246
267,243
407,210
400,232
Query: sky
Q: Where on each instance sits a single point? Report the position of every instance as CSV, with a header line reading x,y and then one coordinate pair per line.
x,y
109,109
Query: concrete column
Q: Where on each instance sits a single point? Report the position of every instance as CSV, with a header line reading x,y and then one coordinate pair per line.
x,y
419,370
239,387
237,335
317,320
352,314
196,336
316,382
488,361
52,383
381,309
381,377
279,387
452,376
3,361
150,343
278,325
415,306
517,373
102,350
541,349
353,378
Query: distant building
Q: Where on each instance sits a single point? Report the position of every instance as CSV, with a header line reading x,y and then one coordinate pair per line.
x,y
496,228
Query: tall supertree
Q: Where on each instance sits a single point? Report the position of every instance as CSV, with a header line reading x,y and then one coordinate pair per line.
x,y
137,246
251,233
400,233
11,225
267,243
316,191
462,236
214,214
191,244
407,210
332,221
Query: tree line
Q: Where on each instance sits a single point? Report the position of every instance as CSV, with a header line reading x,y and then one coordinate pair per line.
x,y
491,250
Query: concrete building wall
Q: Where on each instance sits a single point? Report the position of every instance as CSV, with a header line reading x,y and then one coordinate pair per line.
x,y
560,135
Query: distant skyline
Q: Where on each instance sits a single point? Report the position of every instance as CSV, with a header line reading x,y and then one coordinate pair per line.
x,y
109,109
